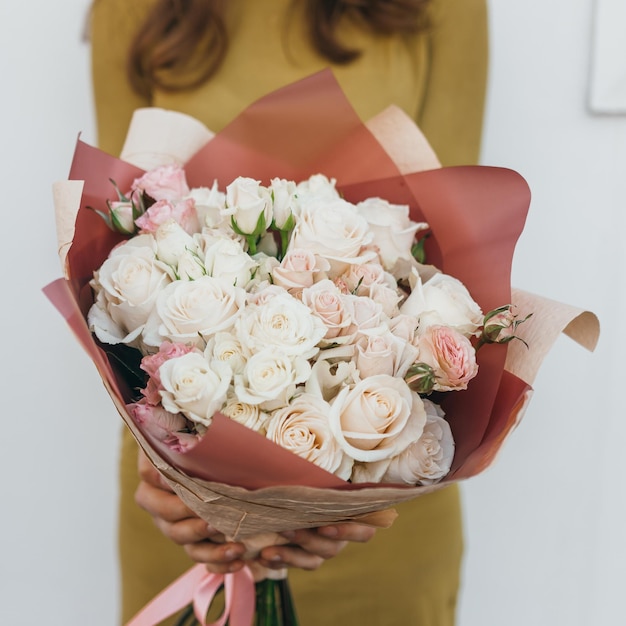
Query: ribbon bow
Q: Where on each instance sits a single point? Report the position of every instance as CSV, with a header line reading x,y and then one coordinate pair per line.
x,y
199,586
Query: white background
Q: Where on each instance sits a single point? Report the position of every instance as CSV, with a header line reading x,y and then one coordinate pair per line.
x,y
545,540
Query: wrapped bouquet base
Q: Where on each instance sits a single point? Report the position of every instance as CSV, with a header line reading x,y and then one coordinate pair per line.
x,y
236,479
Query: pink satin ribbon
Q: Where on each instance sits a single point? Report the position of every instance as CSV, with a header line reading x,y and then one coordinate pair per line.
x,y
199,586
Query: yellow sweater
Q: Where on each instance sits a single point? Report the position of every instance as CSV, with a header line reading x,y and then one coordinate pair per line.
x,y
410,573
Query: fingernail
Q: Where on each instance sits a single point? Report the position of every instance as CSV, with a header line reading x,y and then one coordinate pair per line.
x,y
328,531
231,553
289,534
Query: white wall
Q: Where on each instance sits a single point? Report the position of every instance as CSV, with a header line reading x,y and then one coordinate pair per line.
x,y
58,449
544,526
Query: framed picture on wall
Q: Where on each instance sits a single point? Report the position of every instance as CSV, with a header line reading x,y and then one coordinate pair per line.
x,y
607,84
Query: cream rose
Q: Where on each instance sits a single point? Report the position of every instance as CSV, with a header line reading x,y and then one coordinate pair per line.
x,y
299,269
283,323
427,460
377,418
247,203
334,231
226,347
325,301
302,428
359,279
193,311
443,300
126,286
384,354
248,415
366,314
269,378
451,356
193,386
394,232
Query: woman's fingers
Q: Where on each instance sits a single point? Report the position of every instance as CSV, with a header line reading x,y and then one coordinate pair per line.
x,y
218,558
308,549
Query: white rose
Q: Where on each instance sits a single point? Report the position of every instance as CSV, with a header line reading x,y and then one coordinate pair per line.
x,y
227,348
189,266
317,187
193,386
172,241
327,378
122,217
247,415
210,202
246,202
428,459
394,232
126,286
269,378
377,418
384,354
282,323
191,312
302,428
262,276
335,231
284,201
225,258
443,300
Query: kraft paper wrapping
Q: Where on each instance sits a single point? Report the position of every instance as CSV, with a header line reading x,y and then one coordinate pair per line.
x,y
234,478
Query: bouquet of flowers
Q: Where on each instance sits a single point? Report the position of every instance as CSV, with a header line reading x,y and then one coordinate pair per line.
x,y
295,331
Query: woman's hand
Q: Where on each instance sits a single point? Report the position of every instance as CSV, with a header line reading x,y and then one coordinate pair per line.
x,y
202,543
305,549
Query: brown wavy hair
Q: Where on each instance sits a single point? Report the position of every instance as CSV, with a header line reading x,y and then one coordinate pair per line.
x,y
182,43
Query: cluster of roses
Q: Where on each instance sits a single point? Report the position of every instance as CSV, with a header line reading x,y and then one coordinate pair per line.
x,y
294,312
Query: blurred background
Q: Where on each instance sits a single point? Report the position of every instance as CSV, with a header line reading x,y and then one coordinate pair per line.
x,y
544,526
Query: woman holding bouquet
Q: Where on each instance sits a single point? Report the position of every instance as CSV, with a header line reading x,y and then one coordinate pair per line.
x,y
210,59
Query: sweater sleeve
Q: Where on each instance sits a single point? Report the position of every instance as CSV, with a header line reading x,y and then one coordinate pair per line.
x,y
452,111
113,24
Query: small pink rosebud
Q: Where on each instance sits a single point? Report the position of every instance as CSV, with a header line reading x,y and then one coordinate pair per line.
x,y
500,325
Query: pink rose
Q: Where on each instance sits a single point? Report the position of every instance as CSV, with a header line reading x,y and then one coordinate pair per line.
x,y
167,182
358,279
325,302
183,212
298,269
157,422
450,354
